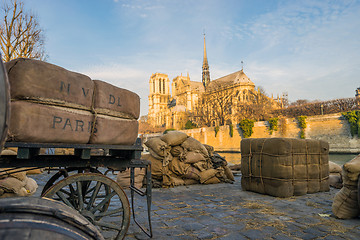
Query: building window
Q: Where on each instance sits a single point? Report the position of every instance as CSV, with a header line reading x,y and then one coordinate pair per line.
x,y
159,85
164,86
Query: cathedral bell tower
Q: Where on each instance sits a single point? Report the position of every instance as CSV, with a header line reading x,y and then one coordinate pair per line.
x,y
205,69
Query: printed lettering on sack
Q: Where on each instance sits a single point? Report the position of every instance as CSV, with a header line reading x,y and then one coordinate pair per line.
x,y
114,101
73,125
65,87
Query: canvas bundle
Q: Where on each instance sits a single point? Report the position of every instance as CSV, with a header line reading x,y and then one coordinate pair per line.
x,y
345,204
50,84
52,104
284,167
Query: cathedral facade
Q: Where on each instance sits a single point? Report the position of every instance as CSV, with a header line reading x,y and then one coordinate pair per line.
x,y
211,102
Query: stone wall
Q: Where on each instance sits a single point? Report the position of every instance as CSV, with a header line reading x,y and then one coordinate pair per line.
x,y
332,128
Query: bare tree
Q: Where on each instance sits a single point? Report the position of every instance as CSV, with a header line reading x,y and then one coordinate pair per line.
x,y
20,33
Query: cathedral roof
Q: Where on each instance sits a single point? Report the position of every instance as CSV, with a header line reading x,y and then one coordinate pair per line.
x,y
231,79
196,86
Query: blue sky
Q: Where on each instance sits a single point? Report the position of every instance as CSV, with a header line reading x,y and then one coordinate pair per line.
x,y
309,48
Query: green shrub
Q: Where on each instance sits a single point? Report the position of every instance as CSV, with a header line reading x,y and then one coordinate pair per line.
x,y
353,117
302,125
168,130
231,130
273,124
246,126
216,130
190,125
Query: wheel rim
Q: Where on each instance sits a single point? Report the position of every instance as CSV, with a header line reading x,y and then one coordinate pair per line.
x,y
63,173
86,192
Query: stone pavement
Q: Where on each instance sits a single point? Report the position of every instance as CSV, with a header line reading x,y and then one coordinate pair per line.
x,y
226,212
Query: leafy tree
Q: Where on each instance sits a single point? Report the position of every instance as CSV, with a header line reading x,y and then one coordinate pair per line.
x,y
20,33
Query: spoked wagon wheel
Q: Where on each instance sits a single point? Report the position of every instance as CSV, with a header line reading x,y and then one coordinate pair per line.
x,y
90,200
64,173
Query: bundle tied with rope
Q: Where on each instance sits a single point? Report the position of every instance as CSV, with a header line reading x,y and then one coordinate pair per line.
x,y
52,104
284,167
177,159
346,202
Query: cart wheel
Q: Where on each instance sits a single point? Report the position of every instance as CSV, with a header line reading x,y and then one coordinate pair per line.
x,y
63,173
91,199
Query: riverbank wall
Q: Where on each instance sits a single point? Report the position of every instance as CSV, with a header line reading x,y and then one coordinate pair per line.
x,y
333,128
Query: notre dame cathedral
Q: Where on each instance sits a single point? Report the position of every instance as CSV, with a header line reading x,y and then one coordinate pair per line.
x,y
189,98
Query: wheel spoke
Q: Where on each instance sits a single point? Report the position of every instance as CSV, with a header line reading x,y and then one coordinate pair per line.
x,y
108,213
79,195
64,199
98,198
107,225
93,196
103,202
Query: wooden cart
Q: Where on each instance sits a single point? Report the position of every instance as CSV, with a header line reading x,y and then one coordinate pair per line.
x,y
77,181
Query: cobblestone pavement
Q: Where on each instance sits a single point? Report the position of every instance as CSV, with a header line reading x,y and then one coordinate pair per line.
x,y
226,212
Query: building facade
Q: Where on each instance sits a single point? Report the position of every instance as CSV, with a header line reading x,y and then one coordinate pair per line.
x,y
210,102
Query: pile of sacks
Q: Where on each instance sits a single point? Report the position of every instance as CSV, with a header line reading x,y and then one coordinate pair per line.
x,y
14,182
53,105
335,176
177,159
346,205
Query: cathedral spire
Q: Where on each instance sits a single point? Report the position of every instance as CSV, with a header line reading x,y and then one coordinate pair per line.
x,y
205,68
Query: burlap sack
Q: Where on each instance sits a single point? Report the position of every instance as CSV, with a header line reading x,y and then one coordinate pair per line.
x,y
173,138
176,181
158,146
154,154
284,167
191,173
193,145
8,152
9,172
123,178
335,180
207,174
194,157
188,181
345,204
210,149
13,185
177,167
44,82
115,131
156,166
114,101
30,122
30,186
202,165
35,171
228,173
352,168
177,151
171,180
213,180
334,168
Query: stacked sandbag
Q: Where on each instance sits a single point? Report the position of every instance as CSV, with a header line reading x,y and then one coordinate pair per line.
x,y
335,176
123,177
52,104
284,167
345,204
14,182
177,159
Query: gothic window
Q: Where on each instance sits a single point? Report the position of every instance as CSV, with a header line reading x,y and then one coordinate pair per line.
x,y
164,86
153,86
159,85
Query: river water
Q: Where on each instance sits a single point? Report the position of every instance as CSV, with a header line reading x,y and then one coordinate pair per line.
x,y
235,158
